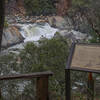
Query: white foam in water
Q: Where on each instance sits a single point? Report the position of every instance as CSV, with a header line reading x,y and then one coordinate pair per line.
x,y
33,32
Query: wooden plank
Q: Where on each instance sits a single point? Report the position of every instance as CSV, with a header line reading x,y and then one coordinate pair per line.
x,y
33,75
42,89
86,57
85,70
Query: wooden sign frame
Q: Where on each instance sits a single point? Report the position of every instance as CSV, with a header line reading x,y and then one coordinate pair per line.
x,y
85,67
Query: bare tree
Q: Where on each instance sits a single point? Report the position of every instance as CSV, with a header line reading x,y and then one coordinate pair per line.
x,y
2,7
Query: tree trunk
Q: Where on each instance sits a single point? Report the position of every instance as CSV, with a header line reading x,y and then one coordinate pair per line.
x,y
20,6
2,7
20,3
62,7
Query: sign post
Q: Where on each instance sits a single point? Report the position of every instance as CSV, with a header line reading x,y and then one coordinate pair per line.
x,y
90,88
86,58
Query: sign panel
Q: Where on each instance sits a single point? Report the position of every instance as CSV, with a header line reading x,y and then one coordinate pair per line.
x,y
85,57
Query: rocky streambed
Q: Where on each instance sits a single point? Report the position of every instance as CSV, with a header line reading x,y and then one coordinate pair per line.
x,y
25,31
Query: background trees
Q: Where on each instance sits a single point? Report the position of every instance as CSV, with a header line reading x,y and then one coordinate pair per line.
x,y
38,7
88,13
45,7
62,7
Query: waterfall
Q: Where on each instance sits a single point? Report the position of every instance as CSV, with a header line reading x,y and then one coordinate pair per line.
x,y
17,33
33,32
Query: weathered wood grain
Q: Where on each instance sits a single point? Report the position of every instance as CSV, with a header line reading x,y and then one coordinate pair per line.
x,y
25,76
42,89
86,56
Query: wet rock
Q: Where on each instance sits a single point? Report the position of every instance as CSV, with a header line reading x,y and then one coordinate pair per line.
x,y
74,35
60,22
39,21
11,36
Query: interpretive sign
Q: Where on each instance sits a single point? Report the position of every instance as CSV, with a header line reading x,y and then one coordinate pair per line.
x,y
84,57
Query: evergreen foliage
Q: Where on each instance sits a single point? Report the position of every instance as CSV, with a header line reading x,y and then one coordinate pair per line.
x,y
47,55
38,7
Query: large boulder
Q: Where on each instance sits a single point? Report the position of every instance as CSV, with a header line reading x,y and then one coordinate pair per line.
x,y
60,22
11,36
74,35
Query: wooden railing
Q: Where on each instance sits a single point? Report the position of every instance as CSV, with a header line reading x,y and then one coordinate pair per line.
x,y
41,83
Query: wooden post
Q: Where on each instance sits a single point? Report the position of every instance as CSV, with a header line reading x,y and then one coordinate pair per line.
x,y
68,83
90,89
42,88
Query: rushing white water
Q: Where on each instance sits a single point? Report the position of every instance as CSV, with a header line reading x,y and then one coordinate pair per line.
x,y
17,33
33,32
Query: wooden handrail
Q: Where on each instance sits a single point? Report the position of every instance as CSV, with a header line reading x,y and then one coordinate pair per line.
x,y
33,75
41,83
